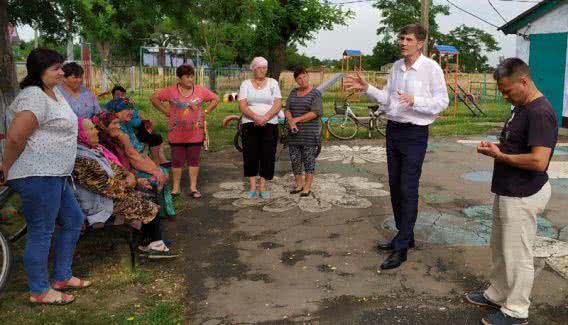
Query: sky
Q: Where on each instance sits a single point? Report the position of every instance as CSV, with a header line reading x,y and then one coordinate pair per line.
x,y
360,33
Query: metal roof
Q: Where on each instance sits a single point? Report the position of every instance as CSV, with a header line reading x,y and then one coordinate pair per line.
x,y
530,15
352,52
446,49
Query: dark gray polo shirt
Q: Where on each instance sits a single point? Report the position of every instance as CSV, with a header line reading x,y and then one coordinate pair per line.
x,y
533,124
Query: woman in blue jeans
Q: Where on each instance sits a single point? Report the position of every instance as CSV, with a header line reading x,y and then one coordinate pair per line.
x,y
38,161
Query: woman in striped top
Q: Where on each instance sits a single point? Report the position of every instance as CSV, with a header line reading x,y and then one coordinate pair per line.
x,y
304,108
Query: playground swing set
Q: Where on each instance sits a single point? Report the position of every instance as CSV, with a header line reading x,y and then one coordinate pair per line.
x,y
352,62
444,52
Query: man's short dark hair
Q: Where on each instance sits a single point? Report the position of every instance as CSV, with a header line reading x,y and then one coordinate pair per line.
x,y
117,88
185,70
416,29
72,69
512,68
299,71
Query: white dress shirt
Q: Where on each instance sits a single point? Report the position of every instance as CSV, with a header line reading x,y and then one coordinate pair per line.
x,y
425,81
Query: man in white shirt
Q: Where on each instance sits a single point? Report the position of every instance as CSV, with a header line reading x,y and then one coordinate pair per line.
x,y
414,96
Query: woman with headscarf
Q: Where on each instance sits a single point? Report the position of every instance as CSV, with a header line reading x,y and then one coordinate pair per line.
x,y
260,102
141,165
105,189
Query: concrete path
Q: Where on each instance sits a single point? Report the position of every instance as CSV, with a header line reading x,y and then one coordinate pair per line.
x,y
312,260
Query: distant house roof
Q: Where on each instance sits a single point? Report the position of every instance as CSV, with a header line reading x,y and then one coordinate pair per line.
x,y
446,49
530,15
352,52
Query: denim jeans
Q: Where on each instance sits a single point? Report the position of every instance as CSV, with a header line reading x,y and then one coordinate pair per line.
x,y
406,148
45,202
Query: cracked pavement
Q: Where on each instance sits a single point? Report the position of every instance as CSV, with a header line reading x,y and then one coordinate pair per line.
x,y
249,266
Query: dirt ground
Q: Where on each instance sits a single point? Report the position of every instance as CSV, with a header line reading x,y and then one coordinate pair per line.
x,y
245,264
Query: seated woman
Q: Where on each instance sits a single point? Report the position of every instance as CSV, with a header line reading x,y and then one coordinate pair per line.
x,y
139,126
105,188
141,165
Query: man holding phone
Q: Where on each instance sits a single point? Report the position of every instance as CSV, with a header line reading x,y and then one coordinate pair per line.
x,y
414,96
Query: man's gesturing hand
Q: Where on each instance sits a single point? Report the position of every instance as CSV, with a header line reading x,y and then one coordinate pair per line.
x,y
356,82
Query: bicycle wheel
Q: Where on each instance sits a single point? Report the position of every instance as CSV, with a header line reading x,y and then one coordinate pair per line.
x,y
5,261
238,140
19,234
381,125
342,126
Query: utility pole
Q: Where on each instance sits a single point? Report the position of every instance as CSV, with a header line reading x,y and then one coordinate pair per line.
x,y
424,15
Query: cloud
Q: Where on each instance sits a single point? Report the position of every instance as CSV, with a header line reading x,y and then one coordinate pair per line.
x,y
360,33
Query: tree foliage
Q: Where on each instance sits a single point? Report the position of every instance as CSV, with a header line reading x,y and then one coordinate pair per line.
x,y
395,14
282,23
472,43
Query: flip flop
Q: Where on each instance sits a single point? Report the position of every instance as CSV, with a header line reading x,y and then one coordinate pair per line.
x,y
266,195
305,194
195,194
295,191
250,195
64,285
64,299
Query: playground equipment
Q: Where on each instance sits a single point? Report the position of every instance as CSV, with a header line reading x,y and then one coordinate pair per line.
x,y
444,52
87,63
354,58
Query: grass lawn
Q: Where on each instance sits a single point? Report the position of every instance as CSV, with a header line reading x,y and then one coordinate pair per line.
x,y
464,123
154,293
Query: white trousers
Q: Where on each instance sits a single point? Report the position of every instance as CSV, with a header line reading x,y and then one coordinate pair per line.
x,y
512,238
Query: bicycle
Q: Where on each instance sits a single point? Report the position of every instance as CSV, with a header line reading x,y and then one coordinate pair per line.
x,y
345,124
6,239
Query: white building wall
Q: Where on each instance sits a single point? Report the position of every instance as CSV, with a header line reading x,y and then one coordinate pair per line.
x,y
555,21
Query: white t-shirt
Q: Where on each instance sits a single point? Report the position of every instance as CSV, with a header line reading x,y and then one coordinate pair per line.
x,y
51,149
260,101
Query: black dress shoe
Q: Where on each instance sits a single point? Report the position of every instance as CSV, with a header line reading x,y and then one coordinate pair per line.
x,y
389,247
394,260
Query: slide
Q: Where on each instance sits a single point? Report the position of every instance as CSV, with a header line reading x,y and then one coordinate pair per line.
x,y
329,82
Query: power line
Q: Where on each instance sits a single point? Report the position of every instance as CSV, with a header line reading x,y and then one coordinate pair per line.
x,y
471,14
348,2
492,6
529,1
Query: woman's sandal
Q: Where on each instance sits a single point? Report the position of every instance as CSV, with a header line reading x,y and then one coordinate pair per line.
x,y
305,194
195,194
250,195
64,285
295,191
265,196
64,299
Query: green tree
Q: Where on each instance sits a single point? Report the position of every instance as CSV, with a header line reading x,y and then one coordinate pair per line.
x,y
396,14
8,77
472,43
282,23
221,29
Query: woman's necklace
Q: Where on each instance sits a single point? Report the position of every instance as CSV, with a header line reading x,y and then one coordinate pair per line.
x,y
259,85
181,91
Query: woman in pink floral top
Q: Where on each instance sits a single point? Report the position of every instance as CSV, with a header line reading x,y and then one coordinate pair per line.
x,y
186,129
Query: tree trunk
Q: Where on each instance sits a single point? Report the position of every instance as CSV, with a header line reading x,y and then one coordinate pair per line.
x,y
104,52
69,17
277,60
8,76
213,80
